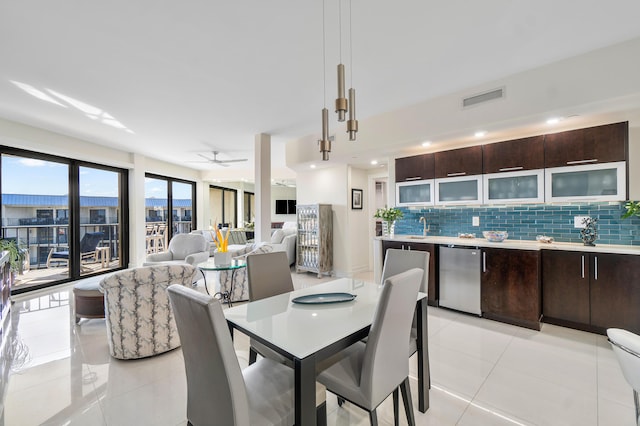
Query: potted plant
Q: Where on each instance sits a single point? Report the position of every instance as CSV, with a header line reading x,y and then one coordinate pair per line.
x,y
16,255
389,215
633,209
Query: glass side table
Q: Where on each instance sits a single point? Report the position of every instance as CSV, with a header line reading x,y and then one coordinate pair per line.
x,y
210,265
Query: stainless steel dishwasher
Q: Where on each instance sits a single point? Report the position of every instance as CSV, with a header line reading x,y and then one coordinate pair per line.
x,y
460,278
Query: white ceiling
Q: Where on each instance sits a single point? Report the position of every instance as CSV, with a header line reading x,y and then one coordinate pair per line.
x,y
184,78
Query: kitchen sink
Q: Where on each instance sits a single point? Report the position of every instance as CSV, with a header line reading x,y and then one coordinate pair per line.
x,y
416,237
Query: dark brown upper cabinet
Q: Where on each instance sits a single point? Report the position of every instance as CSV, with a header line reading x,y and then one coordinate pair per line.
x,y
418,167
459,162
601,144
513,155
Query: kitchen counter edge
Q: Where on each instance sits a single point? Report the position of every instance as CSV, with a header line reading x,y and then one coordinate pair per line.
x,y
515,244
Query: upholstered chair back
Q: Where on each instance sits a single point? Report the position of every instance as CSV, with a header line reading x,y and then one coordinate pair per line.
x,y
182,245
139,318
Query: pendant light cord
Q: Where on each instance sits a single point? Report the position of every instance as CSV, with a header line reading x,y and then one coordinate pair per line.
x,y
324,59
340,28
350,48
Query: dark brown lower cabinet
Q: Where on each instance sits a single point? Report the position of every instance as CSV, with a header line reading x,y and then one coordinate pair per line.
x,y
432,297
592,291
565,286
510,286
615,291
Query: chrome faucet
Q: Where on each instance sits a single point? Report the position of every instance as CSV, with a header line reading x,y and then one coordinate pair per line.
x,y
425,228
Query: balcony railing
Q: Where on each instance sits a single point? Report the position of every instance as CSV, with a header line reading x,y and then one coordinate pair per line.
x,y
40,239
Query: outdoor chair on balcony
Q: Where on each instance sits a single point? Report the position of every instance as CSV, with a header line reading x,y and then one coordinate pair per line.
x,y
88,245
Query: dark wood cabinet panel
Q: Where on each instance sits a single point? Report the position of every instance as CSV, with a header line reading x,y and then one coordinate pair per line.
x,y
565,288
514,155
417,167
601,144
510,289
432,297
458,162
615,291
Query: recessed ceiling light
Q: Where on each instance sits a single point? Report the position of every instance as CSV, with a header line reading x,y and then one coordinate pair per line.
x,y
313,166
554,120
480,133
426,143
374,162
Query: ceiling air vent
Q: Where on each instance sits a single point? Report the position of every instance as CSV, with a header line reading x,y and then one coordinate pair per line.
x,y
483,97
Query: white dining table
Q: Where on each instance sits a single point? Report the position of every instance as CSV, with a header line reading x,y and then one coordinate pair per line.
x,y
309,333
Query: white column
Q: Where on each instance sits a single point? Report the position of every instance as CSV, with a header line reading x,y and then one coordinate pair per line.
x,y
137,212
262,178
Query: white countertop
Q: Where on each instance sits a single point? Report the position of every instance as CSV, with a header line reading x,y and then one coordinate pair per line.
x,y
516,244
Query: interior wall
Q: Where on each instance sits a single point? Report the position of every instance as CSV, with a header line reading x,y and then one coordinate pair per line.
x,y
282,193
359,223
329,186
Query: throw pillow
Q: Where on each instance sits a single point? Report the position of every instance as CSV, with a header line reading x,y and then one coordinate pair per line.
x,y
277,236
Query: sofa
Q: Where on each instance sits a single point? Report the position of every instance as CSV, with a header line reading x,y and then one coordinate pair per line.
x,y
237,239
284,239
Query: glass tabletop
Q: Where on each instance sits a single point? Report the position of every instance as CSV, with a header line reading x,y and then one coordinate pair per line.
x,y
210,265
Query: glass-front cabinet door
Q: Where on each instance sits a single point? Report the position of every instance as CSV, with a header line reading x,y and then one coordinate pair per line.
x,y
596,182
415,193
459,190
514,187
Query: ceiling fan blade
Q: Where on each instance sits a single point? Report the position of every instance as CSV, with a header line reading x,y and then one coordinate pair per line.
x,y
233,161
207,158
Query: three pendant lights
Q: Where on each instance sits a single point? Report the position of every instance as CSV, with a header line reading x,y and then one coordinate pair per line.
x,y
343,105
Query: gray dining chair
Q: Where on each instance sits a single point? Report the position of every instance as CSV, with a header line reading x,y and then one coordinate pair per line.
x,y
367,373
268,274
397,261
626,346
218,391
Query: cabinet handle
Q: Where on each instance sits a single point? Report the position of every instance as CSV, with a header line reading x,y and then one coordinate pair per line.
x,y
414,178
593,160
583,266
595,271
509,169
484,261
456,174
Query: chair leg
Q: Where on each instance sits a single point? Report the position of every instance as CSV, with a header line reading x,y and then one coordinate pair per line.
x,y
321,414
373,417
396,409
637,403
253,356
408,403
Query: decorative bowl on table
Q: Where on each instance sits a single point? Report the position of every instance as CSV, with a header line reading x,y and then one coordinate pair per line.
x,y
495,236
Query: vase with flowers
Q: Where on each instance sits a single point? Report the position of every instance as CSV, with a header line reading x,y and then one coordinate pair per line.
x,y
389,215
221,255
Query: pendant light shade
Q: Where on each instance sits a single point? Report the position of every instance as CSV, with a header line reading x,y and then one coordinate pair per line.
x,y
352,123
325,143
341,101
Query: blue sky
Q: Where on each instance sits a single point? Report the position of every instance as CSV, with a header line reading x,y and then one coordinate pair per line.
x,y
30,176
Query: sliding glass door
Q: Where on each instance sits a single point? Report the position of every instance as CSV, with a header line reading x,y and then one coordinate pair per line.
x,y
65,215
169,210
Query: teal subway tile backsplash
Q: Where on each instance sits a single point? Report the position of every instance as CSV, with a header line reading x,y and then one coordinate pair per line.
x,y
524,222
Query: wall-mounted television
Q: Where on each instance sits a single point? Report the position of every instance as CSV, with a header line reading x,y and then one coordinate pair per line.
x,y
285,206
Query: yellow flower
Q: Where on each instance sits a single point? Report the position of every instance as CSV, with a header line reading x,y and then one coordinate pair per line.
x,y
222,243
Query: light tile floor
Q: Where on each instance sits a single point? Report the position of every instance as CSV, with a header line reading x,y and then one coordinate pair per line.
x,y
483,373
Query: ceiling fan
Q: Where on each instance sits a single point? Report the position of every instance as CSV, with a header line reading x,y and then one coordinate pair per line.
x,y
222,163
